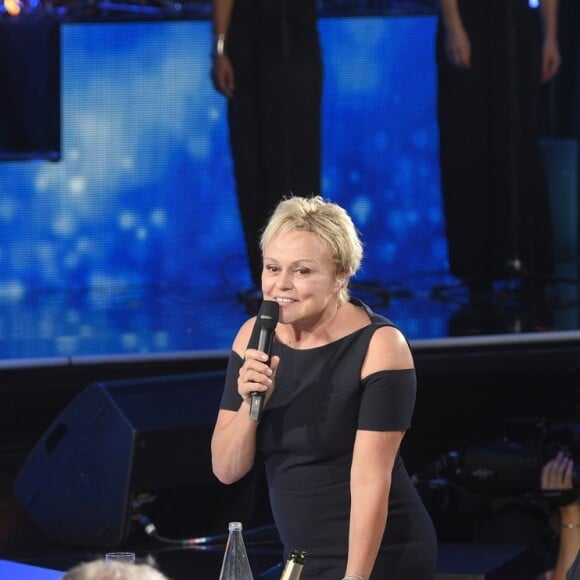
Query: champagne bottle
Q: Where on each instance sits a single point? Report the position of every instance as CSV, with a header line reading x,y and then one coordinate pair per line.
x,y
294,565
235,564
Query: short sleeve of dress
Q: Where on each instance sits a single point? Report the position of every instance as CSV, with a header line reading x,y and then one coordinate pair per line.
x,y
231,399
388,400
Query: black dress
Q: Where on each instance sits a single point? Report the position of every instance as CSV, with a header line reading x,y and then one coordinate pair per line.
x,y
274,116
306,437
494,186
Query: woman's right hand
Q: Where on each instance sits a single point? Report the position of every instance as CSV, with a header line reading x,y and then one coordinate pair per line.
x,y
256,375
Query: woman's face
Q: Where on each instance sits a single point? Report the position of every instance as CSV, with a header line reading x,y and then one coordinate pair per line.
x,y
300,275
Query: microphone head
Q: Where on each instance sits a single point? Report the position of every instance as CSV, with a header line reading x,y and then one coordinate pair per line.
x,y
268,315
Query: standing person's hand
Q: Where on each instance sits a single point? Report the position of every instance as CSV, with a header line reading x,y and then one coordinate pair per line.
x,y
458,47
222,74
557,473
257,374
551,59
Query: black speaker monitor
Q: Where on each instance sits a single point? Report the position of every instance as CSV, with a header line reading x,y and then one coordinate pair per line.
x,y
115,440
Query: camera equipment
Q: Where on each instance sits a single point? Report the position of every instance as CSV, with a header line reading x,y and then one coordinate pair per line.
x,y
512,465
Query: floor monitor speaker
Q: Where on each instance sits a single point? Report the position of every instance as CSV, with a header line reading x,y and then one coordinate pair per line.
x,y
114,442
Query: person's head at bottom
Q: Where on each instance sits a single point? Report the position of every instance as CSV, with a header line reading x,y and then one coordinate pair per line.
x,y
102,570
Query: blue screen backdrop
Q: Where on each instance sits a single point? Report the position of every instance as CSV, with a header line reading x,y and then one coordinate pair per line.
x,y
144,195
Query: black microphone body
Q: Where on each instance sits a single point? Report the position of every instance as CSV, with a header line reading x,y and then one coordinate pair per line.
x,y
266,322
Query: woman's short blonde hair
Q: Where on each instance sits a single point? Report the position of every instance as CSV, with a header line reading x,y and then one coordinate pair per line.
x,y
330,222
102,570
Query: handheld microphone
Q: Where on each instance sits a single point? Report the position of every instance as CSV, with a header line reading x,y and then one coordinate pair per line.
x,y
266,324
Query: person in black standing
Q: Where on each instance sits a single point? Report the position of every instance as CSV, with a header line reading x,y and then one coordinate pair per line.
x,y
492,56
267,62
339,394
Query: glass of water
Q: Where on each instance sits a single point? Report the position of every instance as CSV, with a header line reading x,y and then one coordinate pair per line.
x,y
127,557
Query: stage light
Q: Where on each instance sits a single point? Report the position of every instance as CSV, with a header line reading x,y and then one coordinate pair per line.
x,y
12,7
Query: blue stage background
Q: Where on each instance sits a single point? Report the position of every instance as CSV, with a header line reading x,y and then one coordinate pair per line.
x,y
143,198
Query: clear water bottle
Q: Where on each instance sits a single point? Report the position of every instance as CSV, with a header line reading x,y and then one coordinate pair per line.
x,y
294,566
235,565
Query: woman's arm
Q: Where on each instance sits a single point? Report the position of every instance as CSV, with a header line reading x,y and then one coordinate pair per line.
x,y
221,16
551,58
222,71
569,539
374,455
457,43
370,485
557,474
233,444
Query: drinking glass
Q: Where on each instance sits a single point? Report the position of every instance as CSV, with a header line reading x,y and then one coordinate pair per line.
x,y
128,557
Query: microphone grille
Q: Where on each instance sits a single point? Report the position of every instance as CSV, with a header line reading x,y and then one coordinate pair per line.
x,y
268,315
